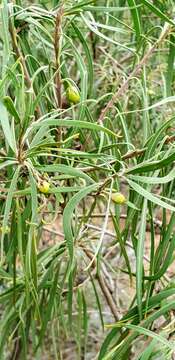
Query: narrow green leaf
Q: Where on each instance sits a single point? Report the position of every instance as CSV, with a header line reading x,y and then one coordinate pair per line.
x,y
65,169
153,179
6,128
149,196
8,204
143,331
69,123
67,218
157,11
136,18
7,101
139,259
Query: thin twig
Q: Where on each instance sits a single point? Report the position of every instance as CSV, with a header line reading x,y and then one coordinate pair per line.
x,y
128,155
166,30
18,53
134,153
57,39
103,286
111,234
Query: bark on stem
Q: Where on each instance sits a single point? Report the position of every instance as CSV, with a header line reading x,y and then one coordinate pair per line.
x,y
166,30
57,39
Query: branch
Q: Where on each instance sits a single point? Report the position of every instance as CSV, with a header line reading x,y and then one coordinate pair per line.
x,y
166,30
57,37
104,287
19,54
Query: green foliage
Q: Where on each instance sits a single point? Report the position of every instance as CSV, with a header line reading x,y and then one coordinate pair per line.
x,y
64,157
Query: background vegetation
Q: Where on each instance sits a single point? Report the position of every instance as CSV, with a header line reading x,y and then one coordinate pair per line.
x,y
87,112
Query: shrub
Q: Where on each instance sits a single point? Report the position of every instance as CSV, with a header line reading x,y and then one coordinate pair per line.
x,y
86,144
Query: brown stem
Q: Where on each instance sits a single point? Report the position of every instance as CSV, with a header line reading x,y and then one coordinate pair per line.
x,y
104,287
57,38
18,53
140,152
170,139
17,349
134,73
128,155
134,153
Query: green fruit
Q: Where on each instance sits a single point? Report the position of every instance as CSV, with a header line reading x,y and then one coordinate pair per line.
x,y
118,198
44,187
4,230
73,94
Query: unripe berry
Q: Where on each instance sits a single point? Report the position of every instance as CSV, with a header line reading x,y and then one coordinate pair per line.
x,y
73,94
44,187
118,198
4,230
